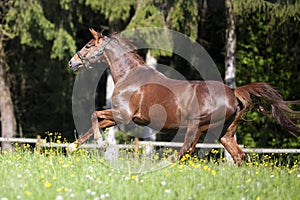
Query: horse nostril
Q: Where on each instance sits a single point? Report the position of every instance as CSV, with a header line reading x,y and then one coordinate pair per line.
x,y
70,63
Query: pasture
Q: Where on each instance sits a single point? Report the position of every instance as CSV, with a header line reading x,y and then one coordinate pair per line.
x,y
85,175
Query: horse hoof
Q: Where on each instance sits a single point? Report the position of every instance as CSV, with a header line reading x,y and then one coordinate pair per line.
x,y
72,147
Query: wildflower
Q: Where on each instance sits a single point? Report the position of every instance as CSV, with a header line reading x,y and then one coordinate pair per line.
x,y
167,191
103,196
197,166
214,151
89,191
72,195
213,172
59,197
133,177
47,184
298,175
163,183
28,193
90,169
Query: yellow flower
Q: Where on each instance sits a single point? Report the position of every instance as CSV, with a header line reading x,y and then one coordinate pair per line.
x,y
197,166
205,167
213,172
47,184
28,193
214,151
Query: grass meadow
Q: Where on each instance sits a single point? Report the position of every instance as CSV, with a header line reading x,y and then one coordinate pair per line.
x,y
86,175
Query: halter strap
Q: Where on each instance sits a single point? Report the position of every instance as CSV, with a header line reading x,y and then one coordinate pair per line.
x,y
97,54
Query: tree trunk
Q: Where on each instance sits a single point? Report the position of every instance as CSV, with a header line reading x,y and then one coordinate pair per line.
x,y
230,63
7,117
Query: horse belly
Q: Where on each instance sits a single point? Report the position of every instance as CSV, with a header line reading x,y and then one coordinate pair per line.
x,y
157,107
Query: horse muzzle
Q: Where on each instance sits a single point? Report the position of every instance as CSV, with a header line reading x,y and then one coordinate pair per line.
x,y
75,65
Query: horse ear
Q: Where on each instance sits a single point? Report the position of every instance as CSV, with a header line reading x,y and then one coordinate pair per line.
x,y
94,34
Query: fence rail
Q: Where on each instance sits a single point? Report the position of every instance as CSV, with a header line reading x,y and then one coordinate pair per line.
x,y
43,143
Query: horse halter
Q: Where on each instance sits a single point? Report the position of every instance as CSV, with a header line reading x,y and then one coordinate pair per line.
x,y
97,54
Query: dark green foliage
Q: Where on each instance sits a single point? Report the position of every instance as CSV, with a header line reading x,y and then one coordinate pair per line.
x,y
269,52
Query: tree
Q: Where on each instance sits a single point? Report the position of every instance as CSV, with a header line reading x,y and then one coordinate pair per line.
x,y
39,48
230,63
7,117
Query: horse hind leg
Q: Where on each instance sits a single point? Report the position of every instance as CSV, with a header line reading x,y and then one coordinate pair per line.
x,y
230,143
191,138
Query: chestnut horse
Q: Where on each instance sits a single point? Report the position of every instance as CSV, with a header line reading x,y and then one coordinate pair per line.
x,y
148,98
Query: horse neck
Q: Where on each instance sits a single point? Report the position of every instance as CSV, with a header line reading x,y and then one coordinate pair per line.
x,y
121,61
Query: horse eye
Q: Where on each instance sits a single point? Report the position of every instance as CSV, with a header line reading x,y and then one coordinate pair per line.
x,y
89,45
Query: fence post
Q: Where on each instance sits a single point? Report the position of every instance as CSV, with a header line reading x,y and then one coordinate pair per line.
x,y
38,144
136,148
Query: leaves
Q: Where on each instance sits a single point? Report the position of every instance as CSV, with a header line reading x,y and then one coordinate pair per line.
x,y
26,19
63,45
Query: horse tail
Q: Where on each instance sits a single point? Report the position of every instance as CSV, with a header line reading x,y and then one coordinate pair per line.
x,y
256,93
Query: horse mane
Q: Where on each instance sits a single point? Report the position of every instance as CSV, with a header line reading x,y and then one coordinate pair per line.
x,y
127,44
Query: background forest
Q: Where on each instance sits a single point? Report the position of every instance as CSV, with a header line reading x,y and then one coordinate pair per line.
x,y
37,39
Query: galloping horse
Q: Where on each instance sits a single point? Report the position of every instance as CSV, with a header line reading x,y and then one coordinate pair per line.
x,y
147,97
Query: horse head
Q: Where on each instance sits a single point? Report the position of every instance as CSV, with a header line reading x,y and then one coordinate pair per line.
x,y
91,53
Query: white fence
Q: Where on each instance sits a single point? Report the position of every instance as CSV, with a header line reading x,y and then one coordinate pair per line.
x,y
42,143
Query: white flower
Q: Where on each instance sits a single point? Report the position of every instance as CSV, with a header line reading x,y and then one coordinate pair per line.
x,y
298,175
167,191
59,197
163,183
89,191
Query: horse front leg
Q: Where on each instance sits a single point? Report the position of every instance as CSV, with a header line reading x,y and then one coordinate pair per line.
x,y
107,120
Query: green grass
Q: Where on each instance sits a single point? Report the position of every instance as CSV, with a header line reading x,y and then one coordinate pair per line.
x,y
85,175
